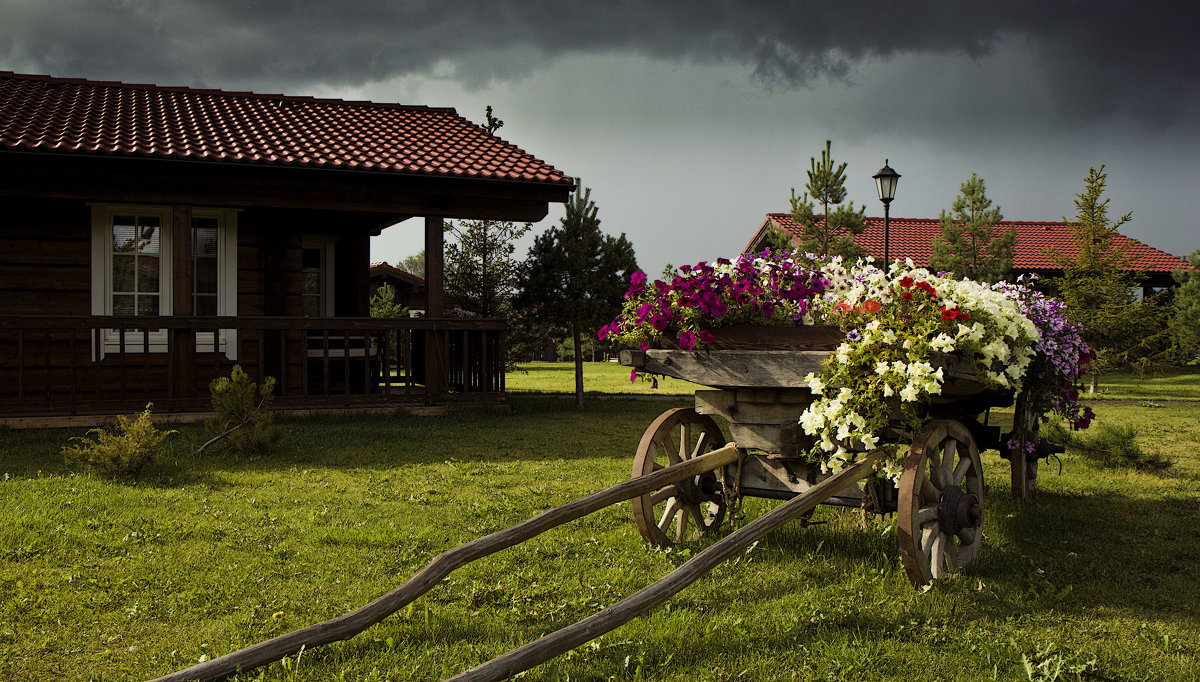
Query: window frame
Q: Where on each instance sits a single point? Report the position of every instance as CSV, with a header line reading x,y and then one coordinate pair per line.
x,y
102,276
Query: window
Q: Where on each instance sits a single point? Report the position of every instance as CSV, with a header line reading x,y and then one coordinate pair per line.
x,y
214,274
317,263
132,256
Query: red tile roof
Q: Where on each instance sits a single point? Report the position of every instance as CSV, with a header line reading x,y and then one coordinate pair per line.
x,y
75,116
913,238
384,269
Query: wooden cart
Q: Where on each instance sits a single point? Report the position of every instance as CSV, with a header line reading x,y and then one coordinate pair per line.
x,y
758,387
686,475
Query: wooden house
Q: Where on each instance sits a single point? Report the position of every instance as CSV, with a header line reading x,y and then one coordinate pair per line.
x,y
407,289
151,237
913,238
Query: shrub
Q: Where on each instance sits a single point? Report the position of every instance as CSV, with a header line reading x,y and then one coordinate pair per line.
x,y
122,450
1111,445
243,419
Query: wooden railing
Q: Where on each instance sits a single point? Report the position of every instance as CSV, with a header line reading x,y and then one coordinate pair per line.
x,y
95,364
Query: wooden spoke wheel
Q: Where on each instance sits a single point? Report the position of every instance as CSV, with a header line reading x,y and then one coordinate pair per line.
x,y
940,509
683,510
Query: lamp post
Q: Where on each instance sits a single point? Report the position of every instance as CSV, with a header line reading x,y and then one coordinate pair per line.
x,y
885,182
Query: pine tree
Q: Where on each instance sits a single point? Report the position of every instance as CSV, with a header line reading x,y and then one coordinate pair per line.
x,y
575,276
830,232
1185,323
969,245
1097,287
480,273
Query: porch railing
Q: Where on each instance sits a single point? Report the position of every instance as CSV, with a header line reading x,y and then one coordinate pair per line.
x,y
96,364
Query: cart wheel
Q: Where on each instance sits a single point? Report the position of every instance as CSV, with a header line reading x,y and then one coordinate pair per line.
x,y
665,516
940,509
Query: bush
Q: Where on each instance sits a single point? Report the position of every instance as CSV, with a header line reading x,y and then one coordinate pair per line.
x,y
243,419
122,450
1110,445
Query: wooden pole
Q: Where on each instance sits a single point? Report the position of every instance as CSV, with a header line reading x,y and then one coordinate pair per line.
x,y
562,641
348,625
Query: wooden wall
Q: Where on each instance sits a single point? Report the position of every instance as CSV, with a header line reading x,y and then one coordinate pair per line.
x,y
45,257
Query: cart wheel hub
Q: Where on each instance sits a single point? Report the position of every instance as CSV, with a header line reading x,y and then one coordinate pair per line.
x,y
958,510
697,489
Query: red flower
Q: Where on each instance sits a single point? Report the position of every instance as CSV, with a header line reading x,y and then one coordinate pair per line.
x,y
906,281
841,307
906,295
949,314
872,306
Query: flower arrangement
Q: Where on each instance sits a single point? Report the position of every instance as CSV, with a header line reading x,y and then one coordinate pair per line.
x,y
766,289
895,324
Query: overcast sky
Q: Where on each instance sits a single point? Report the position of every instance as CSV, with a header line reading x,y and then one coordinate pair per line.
x,y
692,120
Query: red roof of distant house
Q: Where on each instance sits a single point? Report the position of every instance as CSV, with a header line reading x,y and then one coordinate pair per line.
x,y
385,269
913,238
75,116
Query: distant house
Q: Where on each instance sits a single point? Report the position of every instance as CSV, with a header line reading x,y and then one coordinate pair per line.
x,y
409,289
913,238
153,236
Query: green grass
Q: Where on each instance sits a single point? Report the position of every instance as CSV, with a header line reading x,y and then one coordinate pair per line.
x,y
608,378
1180,383
103,579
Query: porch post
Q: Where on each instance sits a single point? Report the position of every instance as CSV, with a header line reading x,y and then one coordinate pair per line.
x,y
435,341
183,341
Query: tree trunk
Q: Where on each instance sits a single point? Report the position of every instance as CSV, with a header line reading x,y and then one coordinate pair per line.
x,y
578,365
1095,381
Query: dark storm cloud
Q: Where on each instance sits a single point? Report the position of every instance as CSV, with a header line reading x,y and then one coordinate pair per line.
x,y
1101,59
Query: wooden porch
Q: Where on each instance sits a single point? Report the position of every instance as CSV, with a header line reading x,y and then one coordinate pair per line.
x,y
100,365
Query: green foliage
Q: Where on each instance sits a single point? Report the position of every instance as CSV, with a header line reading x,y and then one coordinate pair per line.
x,y
413,264
1111,445
384,304
1094,233
776,240
575,276
121,451
830,233
969,245
481,274
1185,323
1122,332
243,419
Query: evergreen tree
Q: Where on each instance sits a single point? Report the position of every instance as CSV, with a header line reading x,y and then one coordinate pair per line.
x,y
1093,234
1122,331
830,232
480,273
575,276
1185,323
969,245
777,240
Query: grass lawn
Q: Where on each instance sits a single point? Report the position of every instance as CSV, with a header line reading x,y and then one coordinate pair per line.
x,y
608,378
104,579
1182,383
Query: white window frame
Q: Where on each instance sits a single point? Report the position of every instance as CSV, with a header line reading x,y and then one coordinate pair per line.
x,y
102,276
227,231
102,217
325,244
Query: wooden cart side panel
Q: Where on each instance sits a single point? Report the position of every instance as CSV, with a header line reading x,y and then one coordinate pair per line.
x,y
732,369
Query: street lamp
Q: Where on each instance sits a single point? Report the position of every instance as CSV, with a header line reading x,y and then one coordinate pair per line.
x,y
885,182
